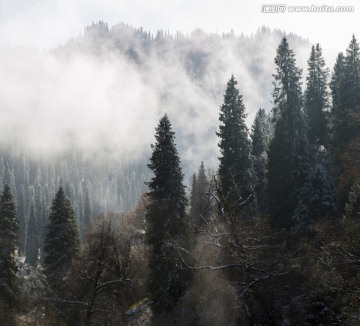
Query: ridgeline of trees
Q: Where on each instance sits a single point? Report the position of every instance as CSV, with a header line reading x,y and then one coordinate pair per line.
x,y
271,238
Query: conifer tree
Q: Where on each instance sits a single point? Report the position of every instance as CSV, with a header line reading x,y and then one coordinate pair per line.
x,y
9,179
335,80
22,217
166,222
235,169
260,139
87,208
352,206
346,97
288,151
41,218
32,236
317,196
194,197
61,239
9,237
335,95
203,188
199,199
316,99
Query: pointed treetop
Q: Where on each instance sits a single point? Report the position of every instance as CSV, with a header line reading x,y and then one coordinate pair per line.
x,y
353,47
7,192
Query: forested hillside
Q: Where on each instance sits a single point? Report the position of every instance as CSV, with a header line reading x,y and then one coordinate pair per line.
x,y
71,116
180,180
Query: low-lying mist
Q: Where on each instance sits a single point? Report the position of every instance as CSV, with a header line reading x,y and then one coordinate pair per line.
x,y
108,88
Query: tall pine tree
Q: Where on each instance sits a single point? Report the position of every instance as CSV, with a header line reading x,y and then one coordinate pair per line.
x,y
317,196
23,219
199,200
61,239
194,198
346,97
346,115
235,169
260,141
288,151
32,236
87,209
9,238
316,99
166,223
335,94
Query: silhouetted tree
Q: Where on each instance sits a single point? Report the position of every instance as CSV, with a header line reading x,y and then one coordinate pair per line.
x,y
288,151
166,223
235,169
61,239
9,237
260,142
316,97
32,236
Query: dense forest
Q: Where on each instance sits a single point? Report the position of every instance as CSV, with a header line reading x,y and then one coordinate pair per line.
x,y
223,224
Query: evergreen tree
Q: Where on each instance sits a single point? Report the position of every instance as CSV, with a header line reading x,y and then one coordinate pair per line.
x,y
32,236
235,169
335,94
2,172
194,198
61,239
346,112
80,214
23,219
288,151
41,218
316,99
9,237
260,139
203,188
199,201
9,179
352,207
317,196
166,222
87,208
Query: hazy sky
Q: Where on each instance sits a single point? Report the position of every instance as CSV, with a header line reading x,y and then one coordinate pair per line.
x,y
46,23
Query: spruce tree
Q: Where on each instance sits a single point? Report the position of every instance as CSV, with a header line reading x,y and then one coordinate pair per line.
x,y
9,179
32,236
352,206
61,239
260,139
203,188
23,219
335,95
41,218
317,196
316,99
346,111
199,199
235,169
194,198
288,151
166,223
345,114
9,238
87,208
